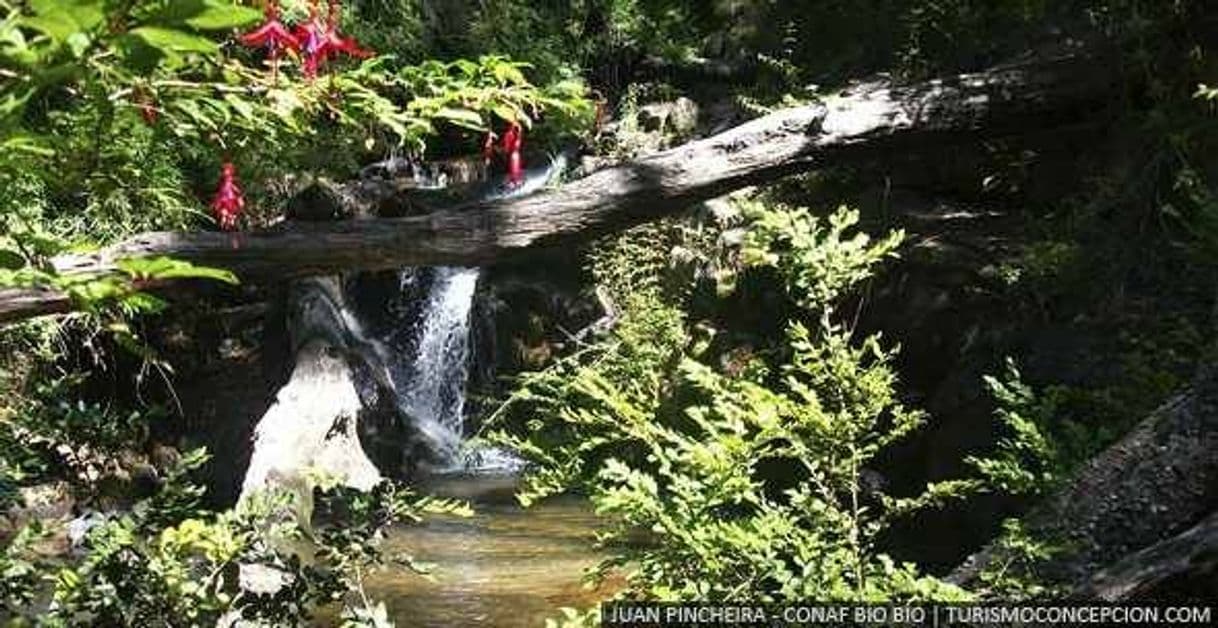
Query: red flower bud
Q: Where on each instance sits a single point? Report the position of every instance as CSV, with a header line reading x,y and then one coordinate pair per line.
x,y
513,141
147,107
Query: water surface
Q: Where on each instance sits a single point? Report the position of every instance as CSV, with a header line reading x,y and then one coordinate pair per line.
x,y
505,566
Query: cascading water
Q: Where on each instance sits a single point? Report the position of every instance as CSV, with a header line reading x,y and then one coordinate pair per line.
x,y
429,356
432,385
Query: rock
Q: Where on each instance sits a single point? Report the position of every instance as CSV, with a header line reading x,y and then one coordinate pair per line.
x,y
322,200
46,501
312,426
591,163
676,119
263,579
78,528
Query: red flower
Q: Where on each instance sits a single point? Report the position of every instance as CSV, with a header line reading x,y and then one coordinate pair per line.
x,y
513,140
314,41
321,40
147,107
229,201
349,46
272,35
338,43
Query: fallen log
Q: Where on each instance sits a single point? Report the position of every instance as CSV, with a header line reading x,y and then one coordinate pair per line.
x,y
1192,555
864,120
1153,484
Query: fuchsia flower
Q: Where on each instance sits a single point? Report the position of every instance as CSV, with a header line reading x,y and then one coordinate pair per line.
x,y
229,200
320,40
272,35
513,140
314,40
147,107
338,43
317,38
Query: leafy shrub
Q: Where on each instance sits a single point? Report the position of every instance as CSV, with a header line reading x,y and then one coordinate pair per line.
x,y
753,486
1014,573
167,557
1027,460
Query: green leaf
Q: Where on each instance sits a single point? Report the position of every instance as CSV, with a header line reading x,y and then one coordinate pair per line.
x,y
22,142
220,15
170,41
507,112
11,259
169,268
508,73
60,19
462,117
57,26
204,15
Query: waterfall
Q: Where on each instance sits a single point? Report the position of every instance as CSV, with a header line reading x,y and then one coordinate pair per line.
x,y
428,336
380,361
432,385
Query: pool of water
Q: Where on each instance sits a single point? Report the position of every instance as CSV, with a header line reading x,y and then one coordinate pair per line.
x,y
505,566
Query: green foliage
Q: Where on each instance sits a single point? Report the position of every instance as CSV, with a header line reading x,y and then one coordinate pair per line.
x,y
476,95
21,568
719,528
814,259
729,487
575,618
561,37
80,440
169,558
1027,460
1013,574
116,115
1047,434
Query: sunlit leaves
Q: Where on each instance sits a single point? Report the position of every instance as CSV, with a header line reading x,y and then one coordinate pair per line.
x,y
752,483
61,20
164,268
213,15
816,257
171,42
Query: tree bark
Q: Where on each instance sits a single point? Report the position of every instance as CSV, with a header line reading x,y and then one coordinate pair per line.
x,y
313,426
1154,483
864,120
1192,555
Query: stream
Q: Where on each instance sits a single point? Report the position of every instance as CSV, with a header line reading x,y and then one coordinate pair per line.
x,y
504,566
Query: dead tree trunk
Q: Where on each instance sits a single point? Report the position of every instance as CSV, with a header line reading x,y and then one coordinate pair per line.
x,y
313,426
1153,484
1192,555
864,120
